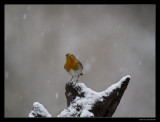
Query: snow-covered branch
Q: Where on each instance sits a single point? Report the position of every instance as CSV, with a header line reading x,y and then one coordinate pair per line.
x,y
84,102
38,110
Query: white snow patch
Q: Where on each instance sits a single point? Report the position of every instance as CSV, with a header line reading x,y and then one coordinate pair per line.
x,y
86,113
38,109
68,112
116,85
57,95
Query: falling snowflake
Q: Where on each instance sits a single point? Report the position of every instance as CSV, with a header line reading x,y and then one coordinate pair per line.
x,y
57,95
140,63
24,16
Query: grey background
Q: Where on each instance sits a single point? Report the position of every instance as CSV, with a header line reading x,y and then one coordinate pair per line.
x,y
111,41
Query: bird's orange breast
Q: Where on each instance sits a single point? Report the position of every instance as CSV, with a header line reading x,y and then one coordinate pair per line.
x,y
72,64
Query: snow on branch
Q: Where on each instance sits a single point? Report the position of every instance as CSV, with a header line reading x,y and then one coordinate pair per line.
x,y
84,102
38,110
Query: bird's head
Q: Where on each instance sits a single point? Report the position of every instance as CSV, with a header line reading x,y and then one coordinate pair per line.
x,y
70,57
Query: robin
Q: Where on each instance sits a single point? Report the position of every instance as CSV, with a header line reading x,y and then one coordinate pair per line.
x,y
73,66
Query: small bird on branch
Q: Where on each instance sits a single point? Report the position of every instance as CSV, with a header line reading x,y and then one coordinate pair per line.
x,y
73,66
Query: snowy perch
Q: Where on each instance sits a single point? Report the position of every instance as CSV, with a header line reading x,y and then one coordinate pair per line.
x,y
38,110
84,102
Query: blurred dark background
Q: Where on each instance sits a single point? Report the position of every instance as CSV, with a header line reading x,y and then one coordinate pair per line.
x,y
111,41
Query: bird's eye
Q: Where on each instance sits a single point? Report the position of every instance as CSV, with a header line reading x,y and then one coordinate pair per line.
x,y
72,56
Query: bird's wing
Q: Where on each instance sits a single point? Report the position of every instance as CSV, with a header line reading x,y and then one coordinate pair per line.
x,y
78,61
80,64
74,56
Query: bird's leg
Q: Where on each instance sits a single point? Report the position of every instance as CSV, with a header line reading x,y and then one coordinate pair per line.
x,y
77,78
71,78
